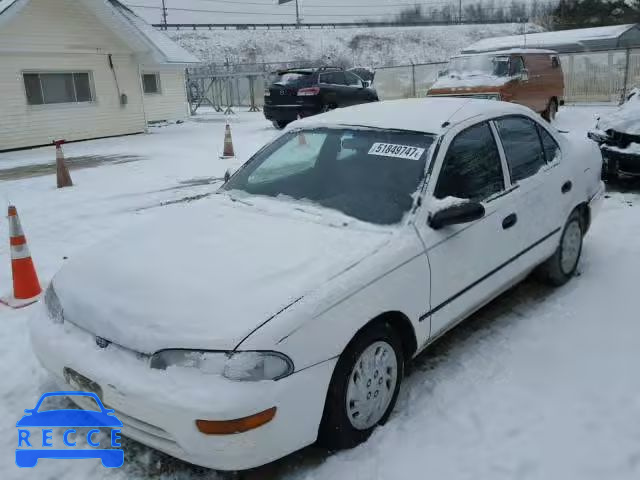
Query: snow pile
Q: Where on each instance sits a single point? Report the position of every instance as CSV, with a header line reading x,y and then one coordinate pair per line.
x,y
374,47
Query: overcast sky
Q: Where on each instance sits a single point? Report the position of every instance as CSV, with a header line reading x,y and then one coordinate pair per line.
x,y
268,11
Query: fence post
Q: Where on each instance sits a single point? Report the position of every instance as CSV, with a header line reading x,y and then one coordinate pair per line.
x,y
626,75
252,92
413,79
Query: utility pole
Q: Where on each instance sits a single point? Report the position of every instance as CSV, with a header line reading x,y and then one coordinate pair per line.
x,y
298,19
164,14
460,11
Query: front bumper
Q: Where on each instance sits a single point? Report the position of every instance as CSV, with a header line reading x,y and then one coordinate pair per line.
x,y
159,408
620,163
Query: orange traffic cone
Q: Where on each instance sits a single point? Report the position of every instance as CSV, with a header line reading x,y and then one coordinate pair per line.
x,y
302,140
228,143
26,287
62,172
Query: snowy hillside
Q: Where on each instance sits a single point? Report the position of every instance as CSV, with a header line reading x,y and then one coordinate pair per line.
x,y
374,47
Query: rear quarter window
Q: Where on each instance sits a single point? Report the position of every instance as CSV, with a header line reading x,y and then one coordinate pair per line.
x,y
292,78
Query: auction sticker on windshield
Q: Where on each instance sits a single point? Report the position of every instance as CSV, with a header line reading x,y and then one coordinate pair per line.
x,y
398,151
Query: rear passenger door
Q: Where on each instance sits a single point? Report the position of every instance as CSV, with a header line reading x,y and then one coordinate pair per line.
x,y
334,89
536,172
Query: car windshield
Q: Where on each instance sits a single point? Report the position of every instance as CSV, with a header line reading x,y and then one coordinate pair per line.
x,y
497,66
368,174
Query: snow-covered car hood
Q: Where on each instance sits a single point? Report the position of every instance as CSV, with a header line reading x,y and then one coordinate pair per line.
x,y
206,276
470,81
626,119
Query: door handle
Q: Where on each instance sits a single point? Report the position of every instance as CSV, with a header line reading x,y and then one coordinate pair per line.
x,y
509,221
567,186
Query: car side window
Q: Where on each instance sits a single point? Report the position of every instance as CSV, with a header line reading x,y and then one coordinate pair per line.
x,y
522,146
333,78
550,146
353,80
472,168
517,65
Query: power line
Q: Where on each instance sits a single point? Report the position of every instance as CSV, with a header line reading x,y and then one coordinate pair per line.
x,y
195,10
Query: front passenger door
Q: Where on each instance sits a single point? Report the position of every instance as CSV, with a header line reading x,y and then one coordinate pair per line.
x,y
470,262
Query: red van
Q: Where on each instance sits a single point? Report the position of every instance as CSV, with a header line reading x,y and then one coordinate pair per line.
x,y
529,77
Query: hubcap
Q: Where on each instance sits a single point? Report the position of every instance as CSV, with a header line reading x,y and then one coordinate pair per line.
x,y
570,251
371,385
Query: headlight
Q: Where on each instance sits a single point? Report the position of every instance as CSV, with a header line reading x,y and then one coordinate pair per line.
x,y
54,307
239,366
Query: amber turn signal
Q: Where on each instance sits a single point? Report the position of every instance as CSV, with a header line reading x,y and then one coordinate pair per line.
x,y
240,425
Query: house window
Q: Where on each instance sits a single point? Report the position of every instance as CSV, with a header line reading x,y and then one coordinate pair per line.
x,y
49,88
151,82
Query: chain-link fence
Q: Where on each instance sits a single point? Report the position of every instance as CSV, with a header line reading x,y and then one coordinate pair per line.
x,y
589,77
225,91
406,81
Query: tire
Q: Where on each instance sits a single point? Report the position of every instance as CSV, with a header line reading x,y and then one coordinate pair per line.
x,y
550,112
328,107
341,429
280,124
559,269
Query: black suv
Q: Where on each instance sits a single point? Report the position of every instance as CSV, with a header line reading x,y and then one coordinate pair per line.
x,y
308,91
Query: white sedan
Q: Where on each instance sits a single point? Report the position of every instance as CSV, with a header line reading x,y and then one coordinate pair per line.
x,y
283,310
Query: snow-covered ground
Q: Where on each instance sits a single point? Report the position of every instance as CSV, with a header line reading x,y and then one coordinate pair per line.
x,y
371,47
541,384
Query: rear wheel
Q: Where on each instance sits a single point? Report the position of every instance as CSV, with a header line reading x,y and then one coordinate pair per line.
x,y
364,387
280,124
328,107
559,269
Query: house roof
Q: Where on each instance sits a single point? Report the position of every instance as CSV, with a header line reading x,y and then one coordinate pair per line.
x,y
172,52
4,4
127,24
578,40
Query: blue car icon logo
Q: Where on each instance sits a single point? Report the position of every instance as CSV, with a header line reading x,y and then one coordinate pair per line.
x,y
28,452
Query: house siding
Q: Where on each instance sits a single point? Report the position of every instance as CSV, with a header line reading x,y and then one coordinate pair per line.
x,y
171,102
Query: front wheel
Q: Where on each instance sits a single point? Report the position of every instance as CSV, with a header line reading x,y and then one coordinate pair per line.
x,y
279,124
363,389
559,269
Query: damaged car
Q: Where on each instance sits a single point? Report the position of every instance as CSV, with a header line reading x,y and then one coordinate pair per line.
x,y
618,135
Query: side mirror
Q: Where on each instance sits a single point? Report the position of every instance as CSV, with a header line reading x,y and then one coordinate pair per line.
x,y
524,75
366,84
227,176
456,214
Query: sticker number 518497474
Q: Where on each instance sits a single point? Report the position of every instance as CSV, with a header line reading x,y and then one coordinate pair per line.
x,y
398,151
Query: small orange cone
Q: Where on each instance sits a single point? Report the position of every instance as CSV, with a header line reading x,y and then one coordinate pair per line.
x,y
302,140
228,143
26,287
62,172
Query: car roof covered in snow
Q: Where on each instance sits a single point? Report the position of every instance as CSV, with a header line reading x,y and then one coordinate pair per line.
x,y
428,115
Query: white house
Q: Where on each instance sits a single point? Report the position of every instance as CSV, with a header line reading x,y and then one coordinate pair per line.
x,y
81,69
